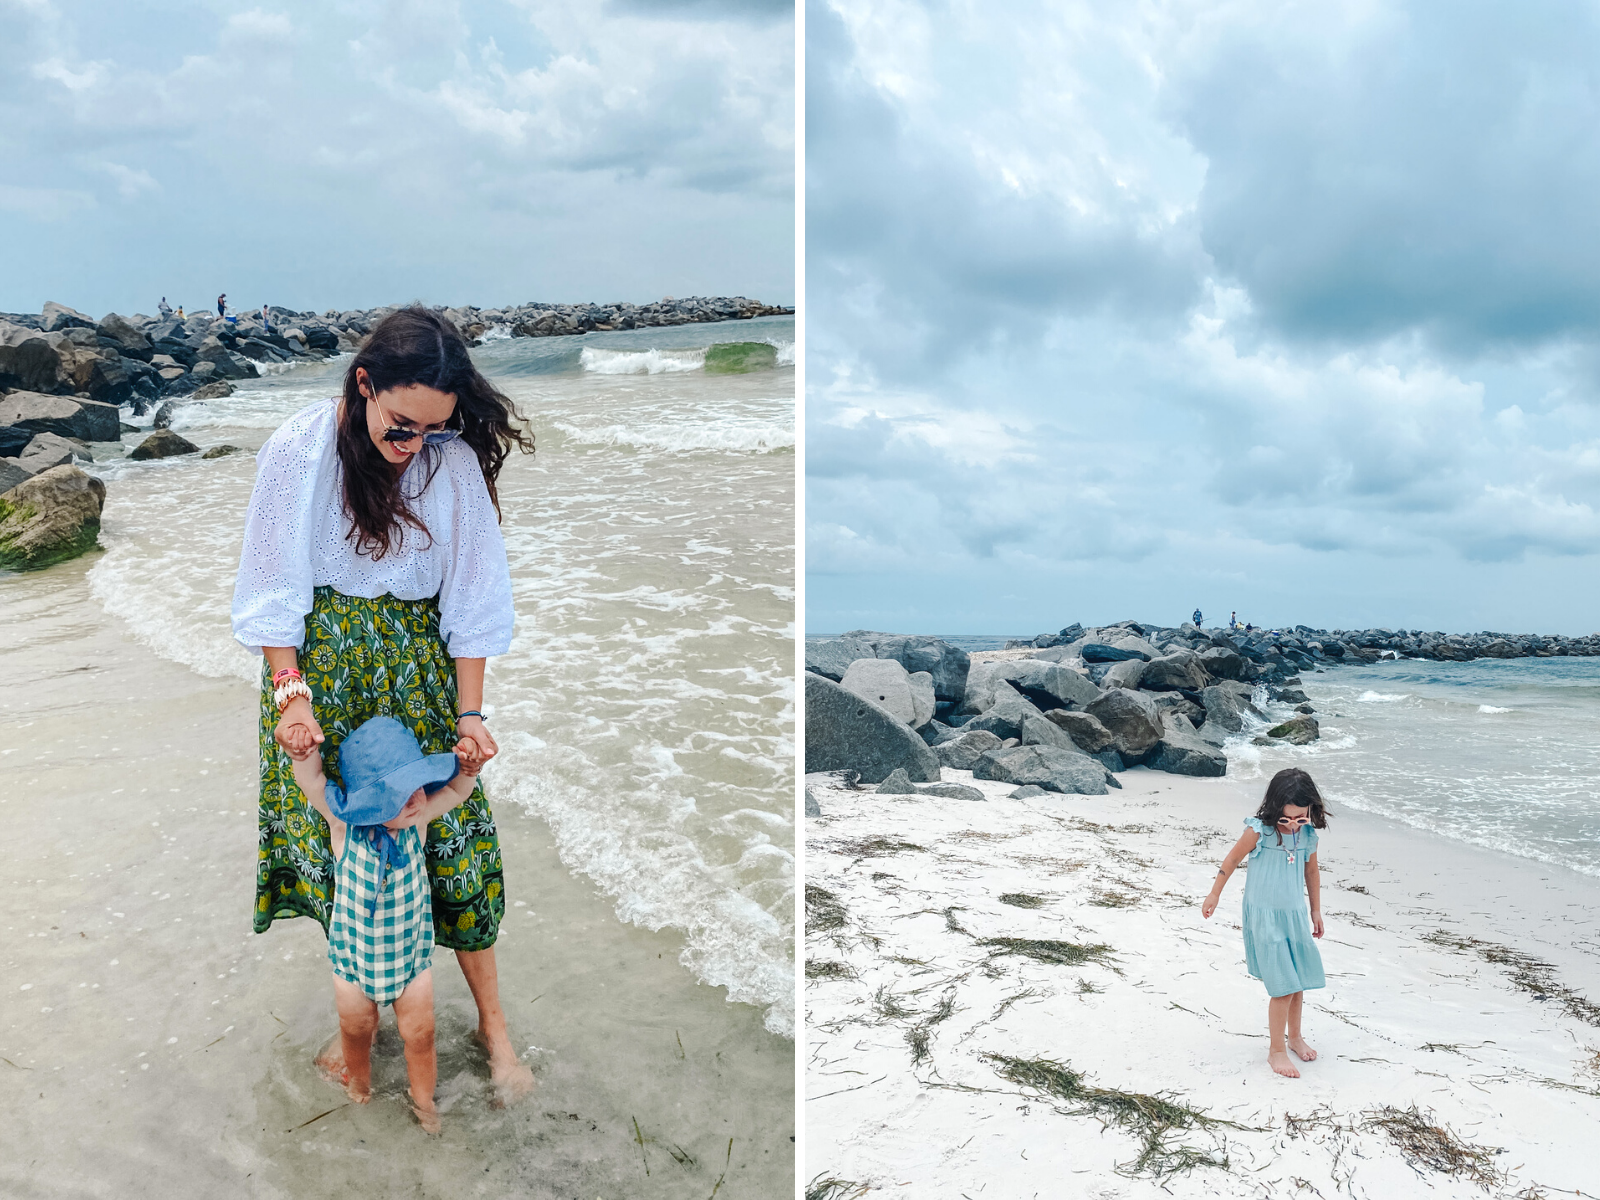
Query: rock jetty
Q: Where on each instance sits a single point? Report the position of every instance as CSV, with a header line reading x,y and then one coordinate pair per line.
x,y
1083,704
65,376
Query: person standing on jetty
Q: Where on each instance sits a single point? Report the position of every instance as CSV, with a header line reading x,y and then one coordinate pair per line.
x,y
222,306
374,581
1280,842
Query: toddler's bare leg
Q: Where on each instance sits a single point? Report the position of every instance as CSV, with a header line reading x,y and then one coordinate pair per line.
x,y
1277,1018
358,1021
1296,1042
413,1012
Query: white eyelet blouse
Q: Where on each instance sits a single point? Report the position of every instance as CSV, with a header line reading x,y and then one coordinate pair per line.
x,y
295,540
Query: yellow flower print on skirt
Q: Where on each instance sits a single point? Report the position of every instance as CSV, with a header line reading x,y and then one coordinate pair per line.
x,y
361,659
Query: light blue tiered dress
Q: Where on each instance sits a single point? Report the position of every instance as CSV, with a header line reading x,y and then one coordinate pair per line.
x,y
1278,948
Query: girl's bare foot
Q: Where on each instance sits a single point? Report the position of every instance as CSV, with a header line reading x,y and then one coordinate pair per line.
x,y
427,1115
1298,1045
362,1094
1281,1064
512,1078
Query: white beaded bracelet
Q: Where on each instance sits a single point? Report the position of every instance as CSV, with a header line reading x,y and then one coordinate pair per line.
x,y
288,691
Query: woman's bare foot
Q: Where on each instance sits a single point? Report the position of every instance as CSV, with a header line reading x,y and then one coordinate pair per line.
x,y
512,1078
1281,1064
427,1115
1306,1053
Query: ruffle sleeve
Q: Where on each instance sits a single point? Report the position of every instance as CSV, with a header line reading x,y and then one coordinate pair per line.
x,y
273,591
475,608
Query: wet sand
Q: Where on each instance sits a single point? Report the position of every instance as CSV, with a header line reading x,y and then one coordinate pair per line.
x,y
151,1044
1409,1018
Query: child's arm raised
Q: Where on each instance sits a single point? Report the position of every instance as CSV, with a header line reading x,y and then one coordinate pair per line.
x,y
1314,893
1241,849
308,774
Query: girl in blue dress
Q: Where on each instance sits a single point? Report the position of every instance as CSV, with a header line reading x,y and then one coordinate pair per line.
x,y
1280,843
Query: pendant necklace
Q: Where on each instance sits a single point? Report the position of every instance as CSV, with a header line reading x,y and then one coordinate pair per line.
x,y
1295,844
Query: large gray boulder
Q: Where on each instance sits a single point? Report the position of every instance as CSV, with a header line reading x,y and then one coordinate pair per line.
x,y
1128,674
1224,708
128,340
885,683
228,364
831,657
946,663
979,692
951,791
1220,662
68,416
47,450
1298,731
1180,671
58,316
12,472
845,732
1049,767
961,752
29,360
1100,652
51,517
1005,716
897,784
923,698
1036,731
813,809
1089,736
1182,751
1136,644
1048,685
1132,718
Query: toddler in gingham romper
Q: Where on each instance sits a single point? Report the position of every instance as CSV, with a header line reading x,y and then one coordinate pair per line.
x,y
380,934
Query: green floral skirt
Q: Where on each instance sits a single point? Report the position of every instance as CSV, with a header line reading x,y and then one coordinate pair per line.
x,y
362,659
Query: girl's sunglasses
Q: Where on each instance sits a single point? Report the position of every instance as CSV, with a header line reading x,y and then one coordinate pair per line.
x,y
398,433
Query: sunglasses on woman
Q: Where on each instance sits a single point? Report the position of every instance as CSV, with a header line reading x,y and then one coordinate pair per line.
x,y
398,433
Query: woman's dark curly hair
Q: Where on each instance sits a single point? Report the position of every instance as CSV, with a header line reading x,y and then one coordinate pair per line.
x,y
417,346
1292,786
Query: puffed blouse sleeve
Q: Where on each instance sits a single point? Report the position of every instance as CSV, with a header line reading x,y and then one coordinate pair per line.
x,y
272,593
1260,831
475,609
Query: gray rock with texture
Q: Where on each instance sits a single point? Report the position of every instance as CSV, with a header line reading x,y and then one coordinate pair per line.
x,y
831,657
47,450
1224,708
1297,731
897,784
49,517
58,316
1048,685
947,664
163,443
1182,751
1027,792
1036,731
885,683
1100,652
1089,736
1132,718
129,341
845,732
1221,663
1128,674
1005,716
68,416
961,752
922,698
813,809
1180,671
952,791
1051,768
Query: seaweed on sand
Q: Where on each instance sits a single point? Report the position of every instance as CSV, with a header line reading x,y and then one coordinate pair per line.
x,y
872,847
917,1036
1110,899
824,913
1423,1142
1154,1120
829,1188
1528,974
1022,900
825,969
1060,954
889,1006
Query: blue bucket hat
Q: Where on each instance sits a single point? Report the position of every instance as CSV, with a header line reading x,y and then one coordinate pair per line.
x,y
382,766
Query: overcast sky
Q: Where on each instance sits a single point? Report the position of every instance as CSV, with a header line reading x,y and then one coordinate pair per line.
x,y
1121,309
344,153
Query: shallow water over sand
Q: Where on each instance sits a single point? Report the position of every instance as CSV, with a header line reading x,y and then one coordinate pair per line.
x,y
652,756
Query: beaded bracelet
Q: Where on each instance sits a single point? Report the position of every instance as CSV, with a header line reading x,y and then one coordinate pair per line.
x,y
469,713
287,692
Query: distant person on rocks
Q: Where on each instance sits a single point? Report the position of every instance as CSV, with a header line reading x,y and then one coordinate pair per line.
x,y
222,306
266,319
374,580
1197,618
1233,620
164,308
1280,842
181,317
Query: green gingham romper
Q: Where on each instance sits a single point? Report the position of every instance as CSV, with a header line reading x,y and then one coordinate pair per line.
x,y
381,948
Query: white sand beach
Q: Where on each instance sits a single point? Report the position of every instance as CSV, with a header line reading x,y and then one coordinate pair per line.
x,y
929,1036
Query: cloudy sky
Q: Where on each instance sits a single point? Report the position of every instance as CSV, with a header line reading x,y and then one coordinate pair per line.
x,y
1120,309
342,153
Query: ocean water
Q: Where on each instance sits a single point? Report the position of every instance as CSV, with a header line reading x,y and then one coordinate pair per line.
x,y
1501,753
646,709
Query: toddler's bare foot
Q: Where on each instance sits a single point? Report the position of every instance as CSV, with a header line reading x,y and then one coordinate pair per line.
x,y
360,1094
1299,1046
331,1061
427,1115
1281,1064
512,1078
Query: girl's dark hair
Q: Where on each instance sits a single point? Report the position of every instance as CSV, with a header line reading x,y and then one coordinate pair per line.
x,y
1291,786
416,346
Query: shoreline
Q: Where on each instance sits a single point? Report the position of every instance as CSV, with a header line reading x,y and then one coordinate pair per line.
x,y
1405,1021
137,1001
